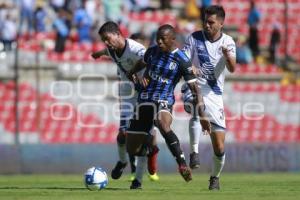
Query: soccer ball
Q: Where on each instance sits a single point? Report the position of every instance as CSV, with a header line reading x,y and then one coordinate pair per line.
x,y
95,178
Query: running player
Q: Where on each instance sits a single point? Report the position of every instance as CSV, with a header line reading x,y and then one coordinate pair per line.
x,y
211,52
165,65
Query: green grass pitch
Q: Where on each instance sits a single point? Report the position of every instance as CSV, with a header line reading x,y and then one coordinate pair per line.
x,y
170,187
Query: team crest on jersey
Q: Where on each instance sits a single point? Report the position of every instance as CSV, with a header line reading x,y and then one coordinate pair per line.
x,y
172,66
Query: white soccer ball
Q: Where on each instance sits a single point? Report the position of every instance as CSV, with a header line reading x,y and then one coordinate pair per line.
x,y
95,178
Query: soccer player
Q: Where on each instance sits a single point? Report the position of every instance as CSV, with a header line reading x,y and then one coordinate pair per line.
x,y
211,51
126,53
165,65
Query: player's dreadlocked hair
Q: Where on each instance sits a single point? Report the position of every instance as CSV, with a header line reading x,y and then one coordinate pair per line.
x,y
109,27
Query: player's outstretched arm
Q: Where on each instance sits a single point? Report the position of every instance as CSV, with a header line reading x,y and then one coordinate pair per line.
x,y
100,53
199,103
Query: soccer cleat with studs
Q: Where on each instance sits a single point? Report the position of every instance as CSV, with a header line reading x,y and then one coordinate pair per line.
x,y
214,183
194,160
153,177
185,172
135,184
116,173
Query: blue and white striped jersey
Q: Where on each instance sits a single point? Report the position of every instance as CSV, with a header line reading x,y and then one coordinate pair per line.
x,y
208,58
165,70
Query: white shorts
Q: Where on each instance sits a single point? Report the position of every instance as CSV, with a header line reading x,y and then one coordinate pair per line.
x,y
214,108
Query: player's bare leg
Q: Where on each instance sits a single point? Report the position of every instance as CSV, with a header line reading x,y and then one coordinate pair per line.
x,y
217,139
164,120
117,171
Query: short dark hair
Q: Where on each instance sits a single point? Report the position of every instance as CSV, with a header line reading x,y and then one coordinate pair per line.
x,y
215,10
167,27
109,27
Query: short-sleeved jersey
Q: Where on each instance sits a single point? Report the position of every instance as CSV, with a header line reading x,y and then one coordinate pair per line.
x,y
133,52
208,58
165,70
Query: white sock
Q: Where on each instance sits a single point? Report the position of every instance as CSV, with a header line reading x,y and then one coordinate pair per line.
x,y
122,153
194,131
218,164
140,167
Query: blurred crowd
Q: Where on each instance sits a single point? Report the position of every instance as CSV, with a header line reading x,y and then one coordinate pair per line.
x,y
66,17
83,18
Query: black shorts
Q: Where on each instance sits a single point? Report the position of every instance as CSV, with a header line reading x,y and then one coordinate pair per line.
x,y
145,115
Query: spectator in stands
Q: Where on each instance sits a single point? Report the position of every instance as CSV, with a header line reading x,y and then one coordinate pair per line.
x,y
90,7
57,4
83,23
253,21
69,4
113,10
3,12
165,4
144,5
274,44
27,8
62,27
8,32
191,11
97,17
243,52
130,5
39,19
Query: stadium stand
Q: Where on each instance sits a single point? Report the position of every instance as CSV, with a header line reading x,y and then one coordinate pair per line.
x,y
56,119
272,12
57,122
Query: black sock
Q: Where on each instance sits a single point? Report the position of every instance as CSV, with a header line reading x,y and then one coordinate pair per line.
x,y
174,146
